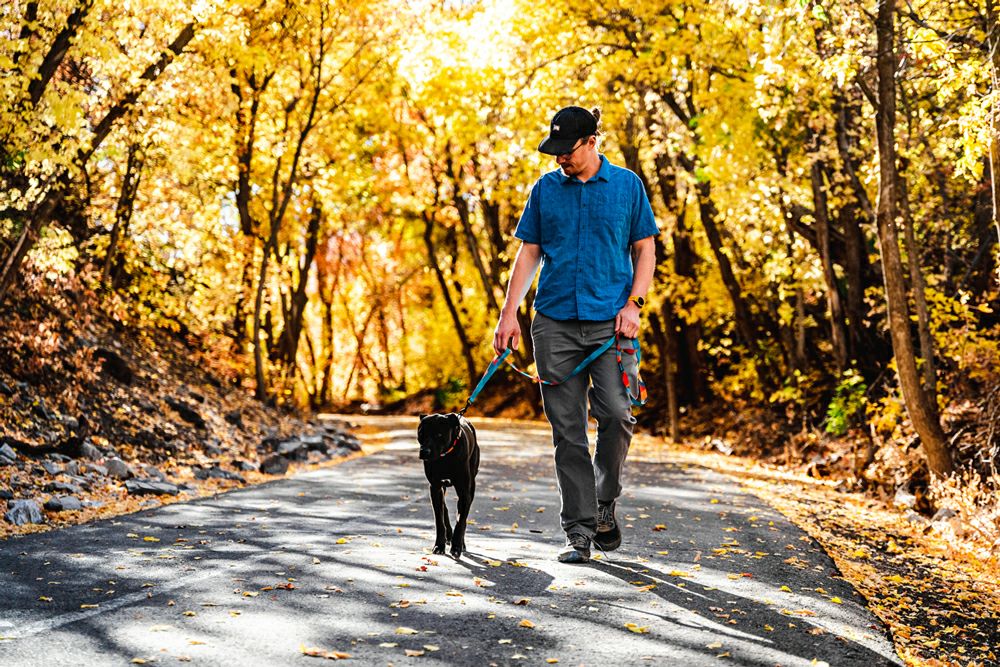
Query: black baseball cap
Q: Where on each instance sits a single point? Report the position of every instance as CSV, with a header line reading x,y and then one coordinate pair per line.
x,y
568,126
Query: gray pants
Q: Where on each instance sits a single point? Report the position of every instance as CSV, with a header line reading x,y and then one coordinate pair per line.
x,y
559,347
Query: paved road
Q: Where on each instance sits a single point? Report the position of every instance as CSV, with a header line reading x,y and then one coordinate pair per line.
x,y
339,560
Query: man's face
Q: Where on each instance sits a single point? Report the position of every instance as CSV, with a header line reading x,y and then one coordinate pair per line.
x,y
573,162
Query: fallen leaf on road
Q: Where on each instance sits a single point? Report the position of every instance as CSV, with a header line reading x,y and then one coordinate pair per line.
x,y
522,601
138,661
552,661
505,641
432,647
320,653
402,630
637,629
526,624
454,594
836,600
45,599
89,606
190,613
388,644
413,653
658,527
150,538
714,645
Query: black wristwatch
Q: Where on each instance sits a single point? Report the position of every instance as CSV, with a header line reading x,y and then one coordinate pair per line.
x,y
637,300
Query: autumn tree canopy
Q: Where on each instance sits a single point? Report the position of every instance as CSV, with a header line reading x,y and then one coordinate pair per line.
x,y
327,191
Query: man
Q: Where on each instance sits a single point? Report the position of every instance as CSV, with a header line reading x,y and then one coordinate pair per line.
x,y
590,226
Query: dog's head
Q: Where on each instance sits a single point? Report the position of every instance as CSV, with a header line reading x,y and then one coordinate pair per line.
x,y
437,433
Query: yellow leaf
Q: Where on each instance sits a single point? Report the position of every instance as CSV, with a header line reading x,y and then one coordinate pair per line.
x,y
89,606
836,600
714,645
637,629
526,624
413,653
405,631
786,589
150,538
137,661
342,540
432,647
45,599
552,661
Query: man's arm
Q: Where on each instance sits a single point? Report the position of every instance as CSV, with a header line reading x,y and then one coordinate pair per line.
x,y
644,262
529,256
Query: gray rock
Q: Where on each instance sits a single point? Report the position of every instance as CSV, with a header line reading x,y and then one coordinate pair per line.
x,y
293,449
63,487
88,451
97,469
914,517
63,504
72,468
72,423
943,514
6,495
5,389
83,482
313,442
212,449
118,469
20,512
155,473
245,465
142,487
215,472
8,452
52,468
274,465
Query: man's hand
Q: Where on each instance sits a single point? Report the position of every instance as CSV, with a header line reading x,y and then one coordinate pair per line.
x,y
627,321
508,332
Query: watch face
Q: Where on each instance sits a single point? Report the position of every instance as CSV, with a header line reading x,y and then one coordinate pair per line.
x,y
640,301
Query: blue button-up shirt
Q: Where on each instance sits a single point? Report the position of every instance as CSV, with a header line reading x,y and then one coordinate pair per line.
x,y
585,231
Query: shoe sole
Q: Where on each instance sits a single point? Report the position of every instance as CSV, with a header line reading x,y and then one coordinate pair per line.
x,y
573,557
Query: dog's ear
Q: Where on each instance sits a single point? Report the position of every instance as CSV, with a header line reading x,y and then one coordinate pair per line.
x,y
423,417
455,419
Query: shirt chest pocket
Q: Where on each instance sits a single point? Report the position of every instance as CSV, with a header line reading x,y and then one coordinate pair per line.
x,y
610,217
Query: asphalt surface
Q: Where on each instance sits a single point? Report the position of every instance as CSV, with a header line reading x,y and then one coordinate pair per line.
x,y
339,560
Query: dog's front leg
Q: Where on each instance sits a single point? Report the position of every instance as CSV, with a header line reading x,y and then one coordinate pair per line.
x,y
465,493
440,517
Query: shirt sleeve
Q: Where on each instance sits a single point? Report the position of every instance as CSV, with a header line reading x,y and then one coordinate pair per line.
x,y
643,222
529,228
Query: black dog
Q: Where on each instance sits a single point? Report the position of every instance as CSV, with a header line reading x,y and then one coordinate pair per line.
x,y
450,454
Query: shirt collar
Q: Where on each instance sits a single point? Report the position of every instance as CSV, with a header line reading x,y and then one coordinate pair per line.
x,y
603,173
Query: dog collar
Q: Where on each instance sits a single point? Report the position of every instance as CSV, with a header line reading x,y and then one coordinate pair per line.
x,y
453,445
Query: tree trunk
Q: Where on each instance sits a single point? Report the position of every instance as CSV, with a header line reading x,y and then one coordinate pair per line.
x,y
924,418
463,337
822,217
291,332
919,291
123,211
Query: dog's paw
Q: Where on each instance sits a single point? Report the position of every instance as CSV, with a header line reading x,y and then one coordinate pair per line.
x,y
456,550
439,548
